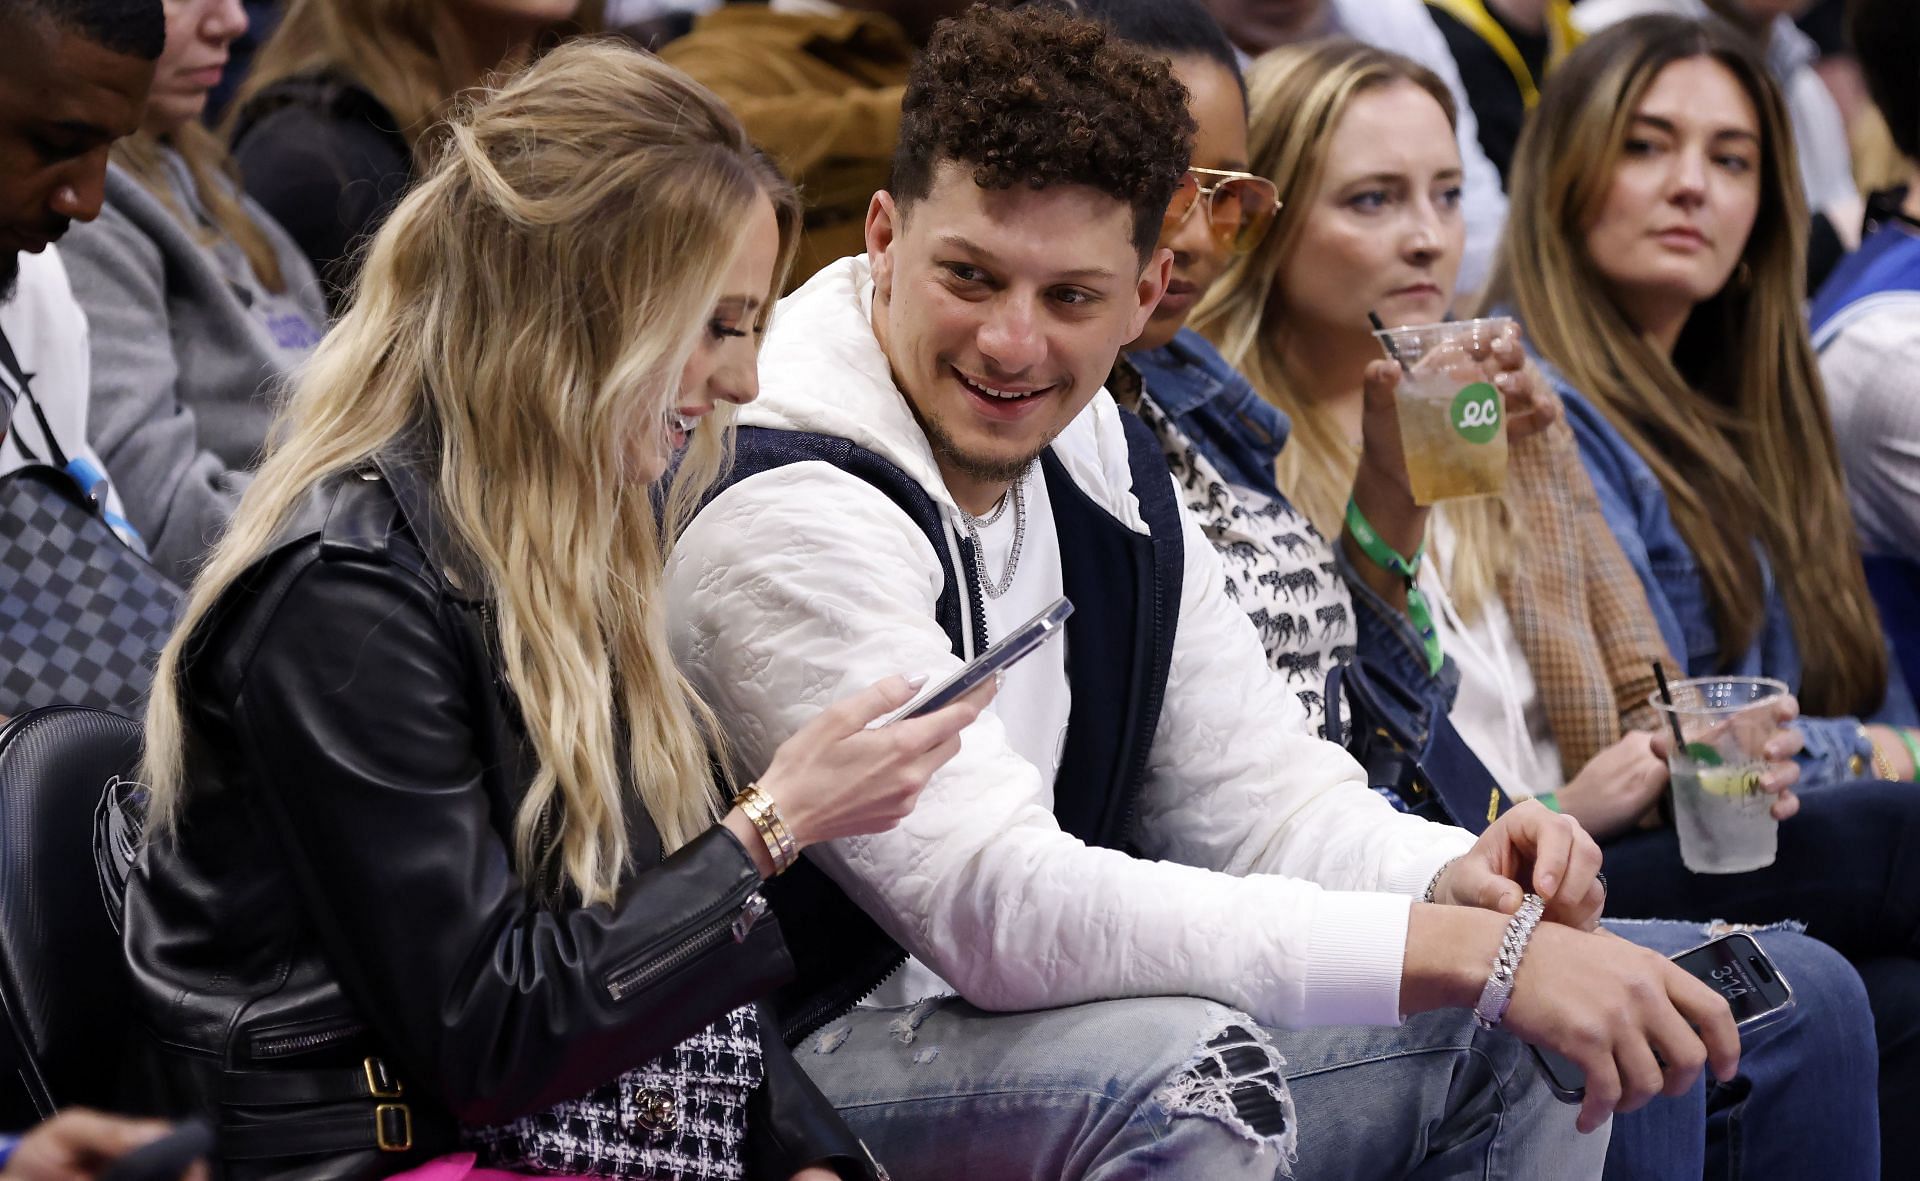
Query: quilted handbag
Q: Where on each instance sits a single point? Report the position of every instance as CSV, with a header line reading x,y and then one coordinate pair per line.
x,y
82,615
680,1117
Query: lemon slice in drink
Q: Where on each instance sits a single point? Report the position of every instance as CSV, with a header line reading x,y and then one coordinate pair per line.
x,y
1730,782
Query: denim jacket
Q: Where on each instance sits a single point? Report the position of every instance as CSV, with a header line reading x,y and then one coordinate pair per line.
x,y
1242,434
1636,509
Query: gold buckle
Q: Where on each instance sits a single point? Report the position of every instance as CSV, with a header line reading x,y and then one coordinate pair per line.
x,y
380,1084
380,1137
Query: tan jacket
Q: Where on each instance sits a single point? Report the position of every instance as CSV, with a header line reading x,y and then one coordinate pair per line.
x,y
821,94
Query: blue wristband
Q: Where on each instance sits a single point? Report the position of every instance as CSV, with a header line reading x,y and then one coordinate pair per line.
x,y
7,1145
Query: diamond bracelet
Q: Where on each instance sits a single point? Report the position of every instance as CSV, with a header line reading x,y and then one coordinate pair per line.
x,y
1495,997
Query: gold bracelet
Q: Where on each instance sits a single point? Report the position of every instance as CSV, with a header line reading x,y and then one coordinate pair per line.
x,y
1882,765
764,814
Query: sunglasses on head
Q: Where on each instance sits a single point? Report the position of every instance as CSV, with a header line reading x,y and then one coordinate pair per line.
x,y
1240,206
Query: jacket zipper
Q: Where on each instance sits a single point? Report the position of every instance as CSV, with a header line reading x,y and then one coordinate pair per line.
x,y
300,1043
732,917
841,1003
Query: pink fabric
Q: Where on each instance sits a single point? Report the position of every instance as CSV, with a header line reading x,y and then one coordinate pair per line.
x,y
461,1166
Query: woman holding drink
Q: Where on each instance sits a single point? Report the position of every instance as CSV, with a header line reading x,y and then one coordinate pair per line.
x,y
1357,143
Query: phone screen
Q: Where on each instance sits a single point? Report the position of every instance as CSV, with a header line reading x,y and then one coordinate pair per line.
x,y
1736,968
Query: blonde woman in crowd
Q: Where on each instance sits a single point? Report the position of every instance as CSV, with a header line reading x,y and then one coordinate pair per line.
x,y
336,117
436,853
198,304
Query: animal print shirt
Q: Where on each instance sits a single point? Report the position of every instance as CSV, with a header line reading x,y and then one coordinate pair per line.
x,y
1278,567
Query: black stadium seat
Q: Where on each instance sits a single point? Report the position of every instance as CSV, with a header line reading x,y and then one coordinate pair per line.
x,y
63,982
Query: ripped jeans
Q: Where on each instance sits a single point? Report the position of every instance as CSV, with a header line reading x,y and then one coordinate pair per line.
x,y
1179,1089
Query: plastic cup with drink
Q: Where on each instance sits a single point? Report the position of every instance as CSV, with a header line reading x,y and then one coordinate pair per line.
x,y
1453,426
1723,815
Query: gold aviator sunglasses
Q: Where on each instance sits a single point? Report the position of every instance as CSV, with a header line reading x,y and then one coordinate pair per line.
x,y
1240,206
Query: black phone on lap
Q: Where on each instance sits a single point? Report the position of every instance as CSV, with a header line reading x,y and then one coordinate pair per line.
x,y
1734,966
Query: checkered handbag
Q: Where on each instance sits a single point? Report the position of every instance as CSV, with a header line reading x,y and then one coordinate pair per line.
x,y
82,616
680,1117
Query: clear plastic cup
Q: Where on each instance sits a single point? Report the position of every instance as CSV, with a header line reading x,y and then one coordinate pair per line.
x,y
1725,820
1453,425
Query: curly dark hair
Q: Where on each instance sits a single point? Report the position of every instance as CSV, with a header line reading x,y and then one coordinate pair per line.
x,y
1039,97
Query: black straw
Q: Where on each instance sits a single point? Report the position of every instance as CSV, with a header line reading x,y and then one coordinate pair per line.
x,y
1673,719
1387,340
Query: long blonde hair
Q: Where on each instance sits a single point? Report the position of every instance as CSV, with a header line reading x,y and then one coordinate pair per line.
x,y
216,183
1296,97
400,50
530,304
1734,424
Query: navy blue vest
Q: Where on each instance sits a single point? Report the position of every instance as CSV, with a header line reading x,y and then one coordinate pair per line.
x,y
1126,591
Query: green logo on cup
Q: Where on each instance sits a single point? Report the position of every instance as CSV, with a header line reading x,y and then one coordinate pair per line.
x,y
1476,413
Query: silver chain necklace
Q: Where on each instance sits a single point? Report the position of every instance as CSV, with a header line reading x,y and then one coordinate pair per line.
x,y
973,524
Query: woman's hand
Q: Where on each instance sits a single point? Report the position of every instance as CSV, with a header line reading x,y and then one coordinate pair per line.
x,y
1619,784
1530,848
836,778
1530,403
1782,771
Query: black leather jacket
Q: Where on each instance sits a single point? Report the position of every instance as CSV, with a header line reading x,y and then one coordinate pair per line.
x,y
334,959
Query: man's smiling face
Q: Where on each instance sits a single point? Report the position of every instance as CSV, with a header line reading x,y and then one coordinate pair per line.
x,y
1001,311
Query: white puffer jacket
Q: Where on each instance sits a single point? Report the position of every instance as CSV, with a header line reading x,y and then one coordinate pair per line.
x,y
1284,884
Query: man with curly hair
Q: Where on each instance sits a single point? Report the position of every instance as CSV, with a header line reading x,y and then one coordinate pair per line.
x,y
1150,926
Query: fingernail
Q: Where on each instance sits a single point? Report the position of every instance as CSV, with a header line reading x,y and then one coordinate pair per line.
x,y
916,680
1545,884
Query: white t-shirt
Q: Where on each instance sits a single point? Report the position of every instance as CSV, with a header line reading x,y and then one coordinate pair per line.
x,y
1035,698
48,332
1498,710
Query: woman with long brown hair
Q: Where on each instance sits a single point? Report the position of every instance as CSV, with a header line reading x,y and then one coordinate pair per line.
x,y
437,851
1657,262
1655,254
336,117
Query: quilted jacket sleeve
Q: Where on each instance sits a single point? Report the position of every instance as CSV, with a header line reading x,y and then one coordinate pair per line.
x,y
1237,784
782,604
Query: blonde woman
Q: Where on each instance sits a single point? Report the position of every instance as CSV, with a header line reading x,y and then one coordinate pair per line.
x,y
336,117
1356,141
198,304
435,854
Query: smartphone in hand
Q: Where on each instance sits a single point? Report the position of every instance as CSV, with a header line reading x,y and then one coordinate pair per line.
x,y
1012,648
1733,966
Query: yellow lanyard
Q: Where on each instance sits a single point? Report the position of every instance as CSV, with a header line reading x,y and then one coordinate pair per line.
x,y
1561,38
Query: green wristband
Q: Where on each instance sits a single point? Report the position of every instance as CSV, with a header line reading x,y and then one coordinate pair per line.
x,y
1393,562
1913,749
1551,799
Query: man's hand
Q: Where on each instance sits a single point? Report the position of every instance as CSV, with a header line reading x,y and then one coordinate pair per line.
x,y
1624,1015
78,1145
1530,849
